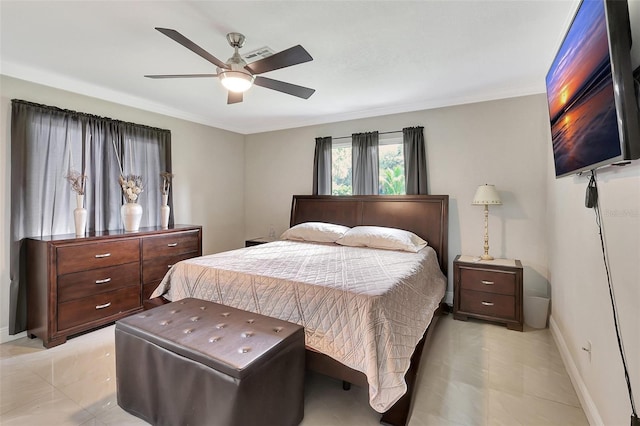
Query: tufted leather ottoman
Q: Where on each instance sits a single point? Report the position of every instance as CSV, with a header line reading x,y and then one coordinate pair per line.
x,y
194,362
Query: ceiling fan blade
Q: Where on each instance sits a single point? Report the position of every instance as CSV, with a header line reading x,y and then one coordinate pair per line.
x,y
233,97
292,56
181,75
281,86
176,36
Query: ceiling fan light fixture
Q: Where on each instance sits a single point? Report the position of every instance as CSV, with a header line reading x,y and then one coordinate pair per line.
x,y
236,81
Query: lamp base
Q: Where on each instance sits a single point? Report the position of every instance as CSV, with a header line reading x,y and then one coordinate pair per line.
x,y
486,257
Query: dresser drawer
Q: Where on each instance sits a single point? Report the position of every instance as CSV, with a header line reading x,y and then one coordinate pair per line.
x,y
488,281
83,257
148,288
82,311
156,269
488,304
170,245
87,283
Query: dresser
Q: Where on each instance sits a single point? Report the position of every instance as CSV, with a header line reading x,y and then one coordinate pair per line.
x,y
489,290
77,284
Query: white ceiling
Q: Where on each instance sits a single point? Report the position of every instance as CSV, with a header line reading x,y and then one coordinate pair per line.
x,y
370,57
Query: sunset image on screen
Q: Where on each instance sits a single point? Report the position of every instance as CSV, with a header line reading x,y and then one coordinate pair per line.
x,y
580,94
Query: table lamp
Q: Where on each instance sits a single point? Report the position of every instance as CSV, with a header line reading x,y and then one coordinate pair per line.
x,y
485,195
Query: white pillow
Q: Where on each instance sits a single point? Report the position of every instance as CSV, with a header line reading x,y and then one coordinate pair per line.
x,y
319,232
384,238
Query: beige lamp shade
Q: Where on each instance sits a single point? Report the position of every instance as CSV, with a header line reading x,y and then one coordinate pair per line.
x,y
485,195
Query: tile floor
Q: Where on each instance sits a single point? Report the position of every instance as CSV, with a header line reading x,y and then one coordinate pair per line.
x,y
474,373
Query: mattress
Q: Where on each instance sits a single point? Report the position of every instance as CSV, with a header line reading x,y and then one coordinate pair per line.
x,y
366,308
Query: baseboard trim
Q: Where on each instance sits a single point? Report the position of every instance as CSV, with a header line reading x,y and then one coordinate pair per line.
x,y
588,406
6,337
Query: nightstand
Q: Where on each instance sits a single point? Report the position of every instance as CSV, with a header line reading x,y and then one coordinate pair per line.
x,y
257,241
489,290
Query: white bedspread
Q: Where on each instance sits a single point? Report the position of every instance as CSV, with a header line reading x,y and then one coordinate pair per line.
x,y
366,308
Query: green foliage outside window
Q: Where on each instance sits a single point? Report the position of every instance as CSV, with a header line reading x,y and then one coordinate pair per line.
x,y
341,171
391,172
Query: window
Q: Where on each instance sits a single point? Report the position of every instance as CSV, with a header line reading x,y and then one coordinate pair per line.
x,y
391,163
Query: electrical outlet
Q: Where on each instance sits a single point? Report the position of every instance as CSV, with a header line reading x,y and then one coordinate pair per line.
x,y
587,349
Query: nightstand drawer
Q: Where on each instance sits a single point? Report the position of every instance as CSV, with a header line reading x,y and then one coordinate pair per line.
x,y
488,281
488,304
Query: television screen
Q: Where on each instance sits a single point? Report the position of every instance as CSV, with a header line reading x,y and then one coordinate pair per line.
x,y
586,127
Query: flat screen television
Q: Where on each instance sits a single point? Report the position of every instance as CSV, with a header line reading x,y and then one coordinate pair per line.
x,y
593,108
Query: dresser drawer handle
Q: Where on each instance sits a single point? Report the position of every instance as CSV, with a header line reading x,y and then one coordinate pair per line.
x,y
169,266
106,305
172,245
104,281
100,256
487,303
487,282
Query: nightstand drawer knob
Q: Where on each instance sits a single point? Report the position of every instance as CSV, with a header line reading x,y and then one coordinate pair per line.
x,y
172,245
487,282
487,303
104,281
169,266
100,256
106,305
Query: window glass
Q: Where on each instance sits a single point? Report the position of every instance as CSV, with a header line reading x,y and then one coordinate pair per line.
x,y
391,174
341,169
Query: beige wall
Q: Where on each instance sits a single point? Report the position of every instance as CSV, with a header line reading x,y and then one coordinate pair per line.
x,y
501,142
208,164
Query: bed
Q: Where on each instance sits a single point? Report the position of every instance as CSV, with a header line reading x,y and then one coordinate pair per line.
x,y
367,312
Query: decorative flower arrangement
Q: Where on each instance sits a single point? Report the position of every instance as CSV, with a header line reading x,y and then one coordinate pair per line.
x,y
165,185
131,187
77,180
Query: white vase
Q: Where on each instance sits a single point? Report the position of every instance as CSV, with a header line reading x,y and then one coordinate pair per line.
x,y
80,216
164,212
131,215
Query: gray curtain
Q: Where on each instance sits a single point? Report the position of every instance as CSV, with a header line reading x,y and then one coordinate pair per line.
x,y
415,160
46,142
322,166
365,164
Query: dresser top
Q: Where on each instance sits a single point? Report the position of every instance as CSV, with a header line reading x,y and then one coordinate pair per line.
x,y
115,233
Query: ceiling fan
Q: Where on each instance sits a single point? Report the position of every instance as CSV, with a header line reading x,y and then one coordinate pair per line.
x,y
236,75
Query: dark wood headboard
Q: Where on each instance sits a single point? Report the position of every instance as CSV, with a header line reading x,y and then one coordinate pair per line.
x,y
425,215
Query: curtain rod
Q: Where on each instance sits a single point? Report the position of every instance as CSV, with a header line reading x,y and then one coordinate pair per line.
x,y
381,133
84,114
